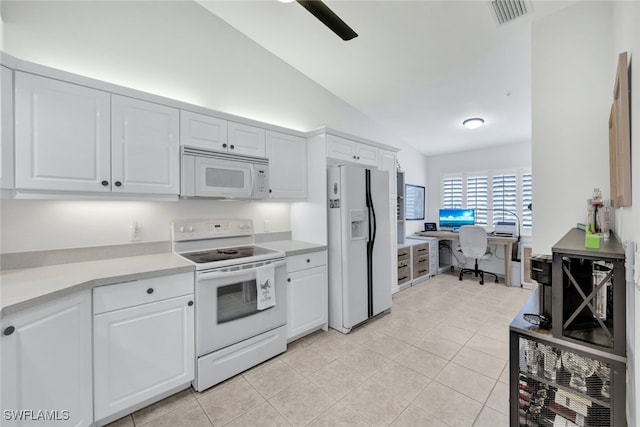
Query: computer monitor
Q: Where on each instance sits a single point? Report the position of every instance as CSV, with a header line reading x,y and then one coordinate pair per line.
x,y
452,219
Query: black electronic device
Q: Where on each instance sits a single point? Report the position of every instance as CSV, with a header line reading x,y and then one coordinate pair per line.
x,y
541,273
430,226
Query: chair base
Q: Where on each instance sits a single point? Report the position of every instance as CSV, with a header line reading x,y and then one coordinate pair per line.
x,y
477,272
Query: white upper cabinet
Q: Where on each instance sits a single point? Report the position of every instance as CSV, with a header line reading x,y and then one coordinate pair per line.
x,y
62,136
6,128
245,139
145,147
198,130
351,151
212,133
46,361
287,166
71,138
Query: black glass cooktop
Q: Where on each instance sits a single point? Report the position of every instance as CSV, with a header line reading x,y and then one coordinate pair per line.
x,y
224,254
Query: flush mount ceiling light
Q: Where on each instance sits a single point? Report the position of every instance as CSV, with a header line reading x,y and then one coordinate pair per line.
x,y
473,123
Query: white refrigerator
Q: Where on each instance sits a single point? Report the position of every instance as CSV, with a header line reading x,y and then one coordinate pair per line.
x,y
359,245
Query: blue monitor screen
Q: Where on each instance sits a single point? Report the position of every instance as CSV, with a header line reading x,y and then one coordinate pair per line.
x,y
454,218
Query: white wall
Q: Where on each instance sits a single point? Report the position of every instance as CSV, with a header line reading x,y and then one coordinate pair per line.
x,y
174,49
503,157
416,173
572,94
626,38
29,225
575,53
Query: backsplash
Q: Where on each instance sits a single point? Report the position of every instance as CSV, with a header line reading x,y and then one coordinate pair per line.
x,y
36,225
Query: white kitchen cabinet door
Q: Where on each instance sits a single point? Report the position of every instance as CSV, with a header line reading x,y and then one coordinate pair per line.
x,y
200,131
145,147
141,352
46,362
62,136
367,155
351,151
6,128
307,301
245,139
287,166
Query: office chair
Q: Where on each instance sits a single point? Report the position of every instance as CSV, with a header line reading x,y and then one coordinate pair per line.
x,y
473,243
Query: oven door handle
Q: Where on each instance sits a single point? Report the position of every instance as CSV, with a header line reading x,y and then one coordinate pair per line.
x,y
222,274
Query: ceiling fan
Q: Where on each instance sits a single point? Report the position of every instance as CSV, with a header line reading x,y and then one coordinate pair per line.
x,y
321,11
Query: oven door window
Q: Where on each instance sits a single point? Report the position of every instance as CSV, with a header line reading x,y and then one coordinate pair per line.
x,y
237,300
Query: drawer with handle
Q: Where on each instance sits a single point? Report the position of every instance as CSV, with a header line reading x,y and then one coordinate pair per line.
x,y
421,271
403,254
404,275
136,292
304,261
420,250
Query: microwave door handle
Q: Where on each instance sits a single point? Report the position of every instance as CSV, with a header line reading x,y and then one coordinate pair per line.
x,y
251,171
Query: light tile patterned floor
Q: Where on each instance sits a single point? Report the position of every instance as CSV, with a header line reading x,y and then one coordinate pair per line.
x,y
438,359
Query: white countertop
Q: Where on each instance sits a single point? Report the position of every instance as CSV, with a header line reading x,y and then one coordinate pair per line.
x,y
293,247
27,287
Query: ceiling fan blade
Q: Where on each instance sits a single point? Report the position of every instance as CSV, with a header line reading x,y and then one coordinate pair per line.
x,y
329,18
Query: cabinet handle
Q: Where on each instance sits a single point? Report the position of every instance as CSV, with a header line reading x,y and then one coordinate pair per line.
x,y
308,260
150,291
224,145
289,279
358,157
190,303
118,184
232,147
104,183
402,278
354,156
9,330
270,191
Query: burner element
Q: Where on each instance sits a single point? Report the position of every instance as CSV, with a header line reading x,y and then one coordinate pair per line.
x,y
224,254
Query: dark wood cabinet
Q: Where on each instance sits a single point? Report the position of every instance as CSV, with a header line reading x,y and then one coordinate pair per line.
x,y
576,371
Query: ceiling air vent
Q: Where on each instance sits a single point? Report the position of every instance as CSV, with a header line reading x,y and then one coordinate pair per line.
x,y
508,10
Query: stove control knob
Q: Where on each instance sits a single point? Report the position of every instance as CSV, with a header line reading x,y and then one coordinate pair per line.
x,y
190,229
181,229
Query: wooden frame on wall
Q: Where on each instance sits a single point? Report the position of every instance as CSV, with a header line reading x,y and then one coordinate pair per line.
x,y
620,138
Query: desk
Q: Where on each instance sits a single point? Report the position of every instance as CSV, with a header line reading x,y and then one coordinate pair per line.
x,y
507,242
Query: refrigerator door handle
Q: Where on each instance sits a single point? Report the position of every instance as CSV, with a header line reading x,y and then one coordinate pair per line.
x,y
370,243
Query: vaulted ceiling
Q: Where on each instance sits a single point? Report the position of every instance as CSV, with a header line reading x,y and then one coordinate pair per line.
x,y
419,68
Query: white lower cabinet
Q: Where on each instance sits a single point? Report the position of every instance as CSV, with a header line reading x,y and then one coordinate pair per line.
x,y
46,364
307,294
143,343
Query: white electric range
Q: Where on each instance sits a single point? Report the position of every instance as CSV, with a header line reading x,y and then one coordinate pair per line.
x,y
233,331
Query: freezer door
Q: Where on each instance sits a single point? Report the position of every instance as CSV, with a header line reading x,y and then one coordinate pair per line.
x,y
354,246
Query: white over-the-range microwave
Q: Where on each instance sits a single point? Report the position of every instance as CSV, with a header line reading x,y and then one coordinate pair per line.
x,y
218,175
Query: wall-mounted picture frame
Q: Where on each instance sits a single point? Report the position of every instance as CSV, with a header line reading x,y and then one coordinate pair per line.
x,y
414,202
620,137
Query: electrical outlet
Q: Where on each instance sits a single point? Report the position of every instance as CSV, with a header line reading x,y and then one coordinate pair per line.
x,y
135,232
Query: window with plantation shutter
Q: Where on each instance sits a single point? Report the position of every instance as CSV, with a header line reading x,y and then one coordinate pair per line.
x,y
478,197
495,195
527,198
505,198
452,192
